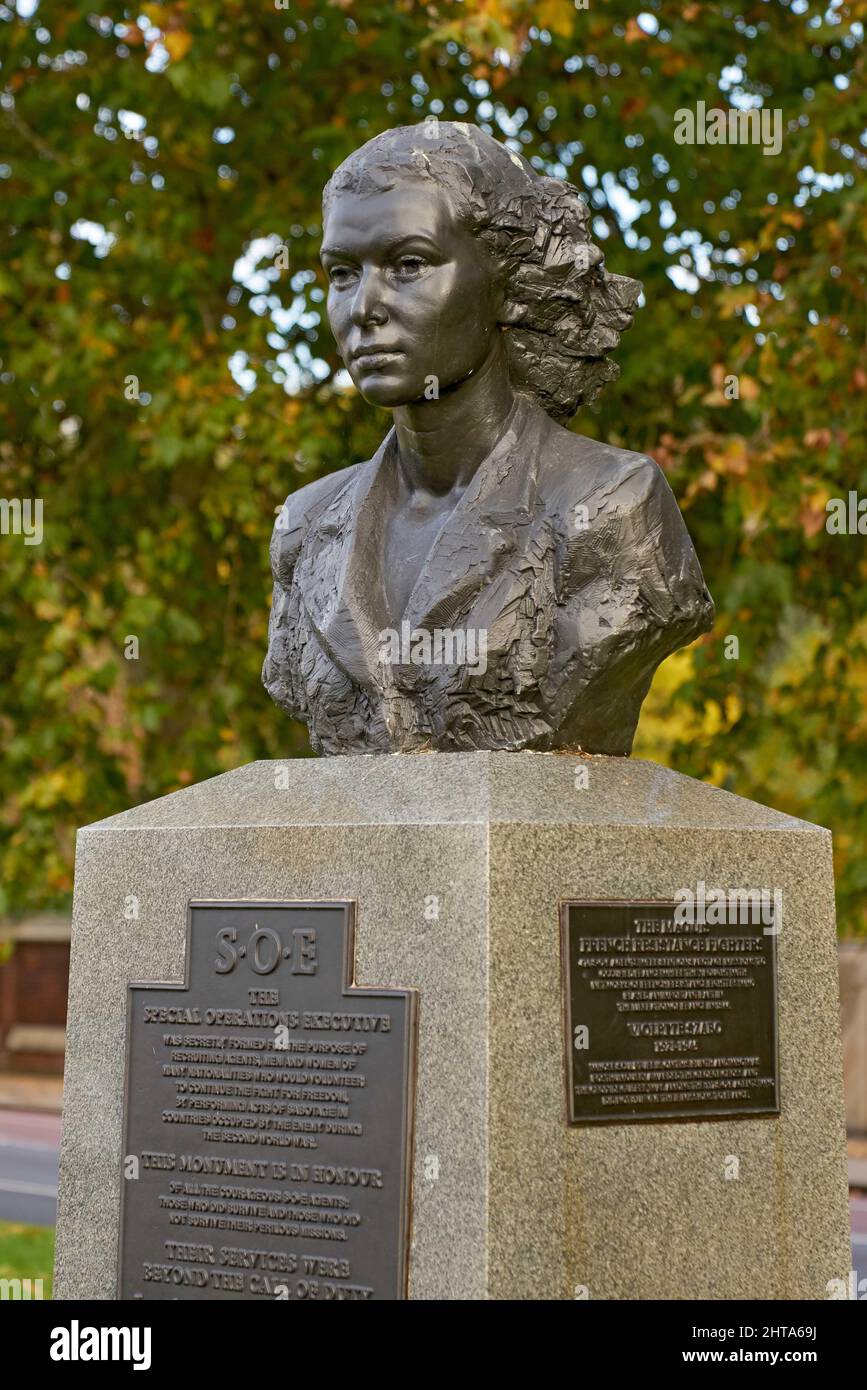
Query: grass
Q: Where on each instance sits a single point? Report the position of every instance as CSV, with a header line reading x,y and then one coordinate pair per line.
x,y
27,1252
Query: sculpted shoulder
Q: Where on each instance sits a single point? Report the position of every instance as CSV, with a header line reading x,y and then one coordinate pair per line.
x,y
619,523
575,470
307,502
298,512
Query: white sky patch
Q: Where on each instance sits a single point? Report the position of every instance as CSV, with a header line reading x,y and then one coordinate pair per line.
x,y
158,58
731,76
148,28
296,315
246,269
745,101
625,208
829,183
814,183
299,366
509,124
130,122
730,81
296,366
683,279
99,237
242,373
648,23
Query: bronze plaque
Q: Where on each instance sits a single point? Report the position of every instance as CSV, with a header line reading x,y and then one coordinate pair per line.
x,y
268,1116
667,1020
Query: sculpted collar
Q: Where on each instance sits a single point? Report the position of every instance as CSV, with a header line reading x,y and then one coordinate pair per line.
x,y
339,572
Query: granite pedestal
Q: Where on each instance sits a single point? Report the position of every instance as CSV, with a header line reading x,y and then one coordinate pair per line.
x,y
457,864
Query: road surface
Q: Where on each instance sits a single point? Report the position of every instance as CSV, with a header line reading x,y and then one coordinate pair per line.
x,y
29,1144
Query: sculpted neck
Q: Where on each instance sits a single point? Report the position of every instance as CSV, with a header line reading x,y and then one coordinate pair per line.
x,y
442,442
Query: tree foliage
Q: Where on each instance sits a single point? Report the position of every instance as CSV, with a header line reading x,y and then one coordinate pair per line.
x,y
167,375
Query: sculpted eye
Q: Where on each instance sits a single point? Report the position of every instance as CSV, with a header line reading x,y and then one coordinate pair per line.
x,y
410,266
340,274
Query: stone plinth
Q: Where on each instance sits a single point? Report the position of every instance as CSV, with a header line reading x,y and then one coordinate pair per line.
x,y
457,863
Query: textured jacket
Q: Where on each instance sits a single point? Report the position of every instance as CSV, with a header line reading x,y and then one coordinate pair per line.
x,y
569,555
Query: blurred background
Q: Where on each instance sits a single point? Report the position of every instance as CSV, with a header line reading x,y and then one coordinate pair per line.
x,y
167,376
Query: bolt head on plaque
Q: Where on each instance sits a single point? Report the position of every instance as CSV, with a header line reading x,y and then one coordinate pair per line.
x,y
489,579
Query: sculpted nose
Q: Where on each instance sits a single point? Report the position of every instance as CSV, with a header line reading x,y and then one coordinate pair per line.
x,y
367,305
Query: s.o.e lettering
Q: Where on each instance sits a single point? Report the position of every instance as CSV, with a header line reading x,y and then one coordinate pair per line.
x,y
264,951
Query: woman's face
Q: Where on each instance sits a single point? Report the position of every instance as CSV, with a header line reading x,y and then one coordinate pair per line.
x,y
413,300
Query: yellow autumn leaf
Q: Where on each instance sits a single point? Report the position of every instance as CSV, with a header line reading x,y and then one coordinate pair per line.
x,y
157,14
46,610
558,16
734,707
712,720
178,43
731,458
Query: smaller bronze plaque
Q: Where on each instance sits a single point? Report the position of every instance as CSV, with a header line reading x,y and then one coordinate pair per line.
x,y
667,1020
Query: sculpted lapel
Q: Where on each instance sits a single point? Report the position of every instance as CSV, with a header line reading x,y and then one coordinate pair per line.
x,y
339,571
479,536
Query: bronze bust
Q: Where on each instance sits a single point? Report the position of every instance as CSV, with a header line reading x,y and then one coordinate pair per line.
x,y
489,579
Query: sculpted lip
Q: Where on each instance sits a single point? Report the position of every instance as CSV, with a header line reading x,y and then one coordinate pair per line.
x,y
375,356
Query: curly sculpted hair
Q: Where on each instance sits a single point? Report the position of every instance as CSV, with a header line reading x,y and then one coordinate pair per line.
x,y
563,311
